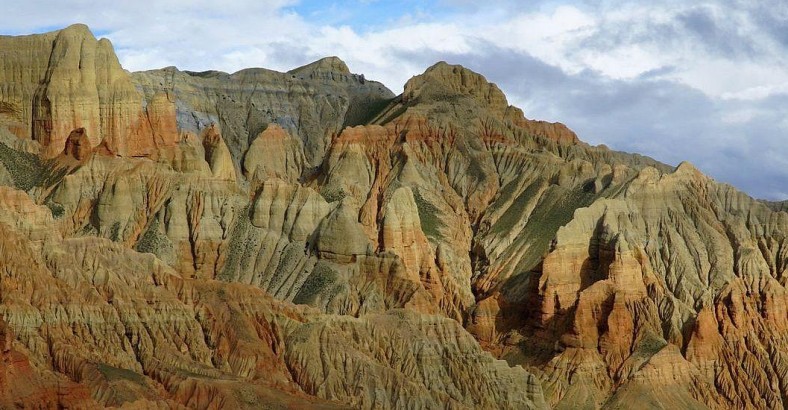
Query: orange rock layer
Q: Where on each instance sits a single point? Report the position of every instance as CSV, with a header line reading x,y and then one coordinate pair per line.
x,y
307,239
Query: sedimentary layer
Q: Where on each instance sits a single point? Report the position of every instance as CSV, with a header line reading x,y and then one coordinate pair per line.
x,y
265,239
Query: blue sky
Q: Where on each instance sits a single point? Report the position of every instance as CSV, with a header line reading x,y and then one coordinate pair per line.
x,y
368,15
704,81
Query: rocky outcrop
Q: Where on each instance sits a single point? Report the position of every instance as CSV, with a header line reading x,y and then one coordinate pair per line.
x,y
209,240
78,145
310,103
462,384
629,279
119,327
23,385
217,155
328,67
446,83
68,79
274,154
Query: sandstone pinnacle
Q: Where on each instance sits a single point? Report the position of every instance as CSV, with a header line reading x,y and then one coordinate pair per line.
x,y
78,145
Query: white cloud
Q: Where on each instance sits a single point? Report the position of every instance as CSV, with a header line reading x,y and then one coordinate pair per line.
x,y
758,92
649,76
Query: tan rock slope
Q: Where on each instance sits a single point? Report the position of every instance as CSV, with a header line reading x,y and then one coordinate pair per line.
x,y
259,239
59,80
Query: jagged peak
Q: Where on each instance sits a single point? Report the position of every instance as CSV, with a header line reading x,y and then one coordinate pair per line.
x,y
78,32
686,167
685,170
79,28
443,77
443,66
443,82
331,64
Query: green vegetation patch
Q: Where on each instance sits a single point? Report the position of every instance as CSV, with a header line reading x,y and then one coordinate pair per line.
x,y
475,169
88,230
555,209
363,112
396,113
57,209
322,277
153,240
649,346
114,232
25,168
115,373
52,175
332,194
429,214
516,210
239,245
290,258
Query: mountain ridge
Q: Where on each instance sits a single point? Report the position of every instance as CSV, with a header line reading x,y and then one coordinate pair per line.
x,y
210,239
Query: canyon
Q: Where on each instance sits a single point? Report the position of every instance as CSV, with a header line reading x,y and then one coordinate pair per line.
x,y
310,239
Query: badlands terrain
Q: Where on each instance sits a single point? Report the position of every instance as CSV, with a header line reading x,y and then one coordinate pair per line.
x,y
309,239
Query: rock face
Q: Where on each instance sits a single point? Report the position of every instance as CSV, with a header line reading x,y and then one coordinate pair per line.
x,y
307,239
60,81
78,145
119,327
274,154
310,103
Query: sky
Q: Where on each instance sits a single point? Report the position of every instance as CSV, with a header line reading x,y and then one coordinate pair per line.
x,y
703,81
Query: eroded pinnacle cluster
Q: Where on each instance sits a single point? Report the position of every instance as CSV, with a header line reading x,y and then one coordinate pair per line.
x,y
262,239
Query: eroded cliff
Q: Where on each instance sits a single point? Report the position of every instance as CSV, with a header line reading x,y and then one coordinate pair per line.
x,y
265,239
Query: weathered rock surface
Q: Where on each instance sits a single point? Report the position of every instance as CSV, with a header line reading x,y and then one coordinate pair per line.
x,y
120,327
217,155
262,239
274,154
63,80
310,103
78,145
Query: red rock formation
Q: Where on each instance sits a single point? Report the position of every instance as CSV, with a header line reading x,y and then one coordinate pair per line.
x,y
81,85
78,145
168,280
274,154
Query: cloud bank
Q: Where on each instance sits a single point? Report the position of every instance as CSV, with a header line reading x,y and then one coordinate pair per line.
x,y
700,81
